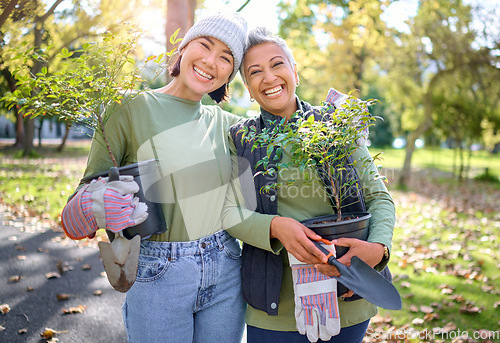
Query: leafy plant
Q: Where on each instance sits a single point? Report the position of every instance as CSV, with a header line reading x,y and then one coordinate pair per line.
x,y
88,82
324,141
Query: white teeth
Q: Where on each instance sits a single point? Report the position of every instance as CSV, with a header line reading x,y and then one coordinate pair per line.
x,y
203,74
274,90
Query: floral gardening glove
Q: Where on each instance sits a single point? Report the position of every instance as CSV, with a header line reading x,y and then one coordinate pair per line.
x,y
316,307
103,204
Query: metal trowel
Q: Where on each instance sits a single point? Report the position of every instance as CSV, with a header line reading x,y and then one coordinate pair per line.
x,y
120,257
365,281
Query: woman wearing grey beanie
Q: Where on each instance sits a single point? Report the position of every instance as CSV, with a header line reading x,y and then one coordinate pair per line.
x,y
188,286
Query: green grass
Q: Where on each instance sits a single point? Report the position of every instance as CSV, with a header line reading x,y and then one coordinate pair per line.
x,y
40,186
442,159
436,248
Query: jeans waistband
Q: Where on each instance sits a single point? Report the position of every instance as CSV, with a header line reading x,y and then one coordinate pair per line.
x,y
196,247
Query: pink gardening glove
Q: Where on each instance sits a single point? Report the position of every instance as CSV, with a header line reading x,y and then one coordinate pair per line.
x,y
102,204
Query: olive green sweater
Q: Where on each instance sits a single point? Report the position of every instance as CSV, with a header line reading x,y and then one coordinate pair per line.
x,y
190,141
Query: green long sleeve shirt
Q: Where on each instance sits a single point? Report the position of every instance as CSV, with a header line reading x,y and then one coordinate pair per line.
x,y
302,201
190,141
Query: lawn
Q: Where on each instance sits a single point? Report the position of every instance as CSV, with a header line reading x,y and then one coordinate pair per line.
x,y
445,255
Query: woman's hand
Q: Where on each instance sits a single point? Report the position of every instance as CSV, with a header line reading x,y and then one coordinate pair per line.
x,y
296,238
370,253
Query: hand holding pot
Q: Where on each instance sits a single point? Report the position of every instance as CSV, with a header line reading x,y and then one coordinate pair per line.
x,y
296,238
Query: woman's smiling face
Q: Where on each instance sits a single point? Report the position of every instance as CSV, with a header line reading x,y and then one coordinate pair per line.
x,y
206,65
271,79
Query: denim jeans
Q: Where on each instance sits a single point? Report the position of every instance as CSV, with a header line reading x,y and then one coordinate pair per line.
x,y
350,334
187,292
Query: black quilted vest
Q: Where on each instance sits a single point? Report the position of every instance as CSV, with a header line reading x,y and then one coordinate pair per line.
x,y
261,270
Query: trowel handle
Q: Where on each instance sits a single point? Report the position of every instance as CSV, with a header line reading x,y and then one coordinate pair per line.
x,y
114,174
331,259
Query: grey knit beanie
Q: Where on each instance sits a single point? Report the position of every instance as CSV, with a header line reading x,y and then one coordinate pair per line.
x,y
231,29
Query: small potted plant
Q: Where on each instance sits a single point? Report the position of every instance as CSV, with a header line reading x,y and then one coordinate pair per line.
x,y
323,142
85,90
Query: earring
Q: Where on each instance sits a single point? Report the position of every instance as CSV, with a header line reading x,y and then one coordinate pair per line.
x,y
252,99
297,84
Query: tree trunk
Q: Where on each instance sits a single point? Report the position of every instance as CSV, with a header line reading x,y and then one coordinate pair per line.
x,y
426,124
180,15
405,175
65,138
7,11
19,129
29,135
29,123
40,127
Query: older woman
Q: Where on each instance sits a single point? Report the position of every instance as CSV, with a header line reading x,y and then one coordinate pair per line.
x,y
268,222
188,286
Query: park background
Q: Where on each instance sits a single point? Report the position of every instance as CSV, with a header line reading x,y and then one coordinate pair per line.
x,y
434,66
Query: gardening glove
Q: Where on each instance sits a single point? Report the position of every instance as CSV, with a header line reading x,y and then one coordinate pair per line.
x,y
336,98
103,204
316,307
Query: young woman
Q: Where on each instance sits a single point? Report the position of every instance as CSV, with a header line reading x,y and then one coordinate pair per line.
x,y
188,285
264,220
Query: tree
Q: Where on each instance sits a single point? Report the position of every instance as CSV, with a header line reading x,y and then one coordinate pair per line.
x,y
341,39
35,24
441,47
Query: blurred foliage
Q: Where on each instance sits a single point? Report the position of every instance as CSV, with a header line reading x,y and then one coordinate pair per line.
x,y
439,77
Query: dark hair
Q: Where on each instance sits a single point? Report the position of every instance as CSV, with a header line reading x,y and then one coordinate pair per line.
x,y
218,95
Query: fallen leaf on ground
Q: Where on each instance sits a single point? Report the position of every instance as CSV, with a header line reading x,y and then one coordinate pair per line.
x,y
430,317
63,296
48,333
52,275
21,331
86,267
4,308
426,309
405,284
72,310
98,292
2,328
14,279
417,321
470,310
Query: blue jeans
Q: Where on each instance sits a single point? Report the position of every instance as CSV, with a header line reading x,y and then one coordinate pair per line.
x,y
350,334
187,292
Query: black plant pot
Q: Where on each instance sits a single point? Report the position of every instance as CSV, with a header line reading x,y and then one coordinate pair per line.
x,y
147,171
355,226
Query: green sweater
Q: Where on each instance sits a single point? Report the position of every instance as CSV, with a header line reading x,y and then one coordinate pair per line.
x,y
190,141
300,202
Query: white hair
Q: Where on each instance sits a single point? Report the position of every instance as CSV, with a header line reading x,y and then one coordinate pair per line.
x,y
261,35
